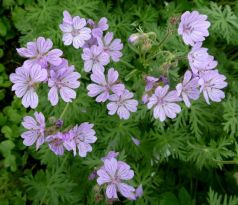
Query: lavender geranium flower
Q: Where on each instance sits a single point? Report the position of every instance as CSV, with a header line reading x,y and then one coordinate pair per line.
x,y
25,82
150,82
111,47
94,58
198,57
110,155
208,65
139,191
211,83
63,80
135,141
83,136
56,143
188,89
36,130
74,30
114,173
40,53
193,27
104,86
164,103
145,98
98,28
122,104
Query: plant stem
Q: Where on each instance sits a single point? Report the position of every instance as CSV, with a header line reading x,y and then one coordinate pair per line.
x,y
65,109
165,38
226,162
127,64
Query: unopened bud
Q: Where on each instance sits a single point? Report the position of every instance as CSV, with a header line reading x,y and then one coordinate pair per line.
x,y
164,80
173,20
93,175
146,46
59,123
52,120
96,188
134,38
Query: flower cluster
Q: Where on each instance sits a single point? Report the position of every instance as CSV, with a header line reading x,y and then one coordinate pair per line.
x,y
203,77
98,51
113,174
78,139
44,65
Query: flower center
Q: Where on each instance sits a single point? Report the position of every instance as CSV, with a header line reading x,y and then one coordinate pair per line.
x,y
75,32
187,29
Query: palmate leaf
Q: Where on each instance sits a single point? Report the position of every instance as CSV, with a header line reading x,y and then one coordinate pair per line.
x,y
47,15
224,22
231,116
49,187
210,155
216,199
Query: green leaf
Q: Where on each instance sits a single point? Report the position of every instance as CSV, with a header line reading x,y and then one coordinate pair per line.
x,y
3,29
224,22
6,147
7,131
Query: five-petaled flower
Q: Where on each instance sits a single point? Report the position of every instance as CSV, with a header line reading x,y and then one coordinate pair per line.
x,y
39,53
164,103
111,47
25,82
193,27
188,89
36,130
63,79
94,58
104,87
74,30
211,83
122,104
114,173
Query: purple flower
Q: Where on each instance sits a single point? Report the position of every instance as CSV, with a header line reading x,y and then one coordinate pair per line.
x,y
25,82
114,173
110,155
93,175
59,123
74,30
188,89
150,82
135,141
163,103
193,27
84,135
211,83
145,98
91,42
122,104
208,65
94,58
139,191
104,86
198,57
40,53
98,28
63,80
56,143
36,129
111,47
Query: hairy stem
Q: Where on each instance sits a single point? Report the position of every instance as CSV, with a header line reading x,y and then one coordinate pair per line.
x,y
65,109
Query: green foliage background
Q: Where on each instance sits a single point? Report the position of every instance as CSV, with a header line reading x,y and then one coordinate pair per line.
x,y
190,160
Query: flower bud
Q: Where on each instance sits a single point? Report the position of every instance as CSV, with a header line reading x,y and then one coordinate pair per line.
x,y
59,123
52,120
134,38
